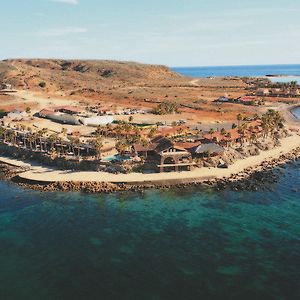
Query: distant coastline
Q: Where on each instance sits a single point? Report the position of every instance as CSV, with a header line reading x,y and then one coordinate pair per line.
x,y
281,75
241,71
295,111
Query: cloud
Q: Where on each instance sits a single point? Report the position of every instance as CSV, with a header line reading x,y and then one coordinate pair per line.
x,y
61,32
73,2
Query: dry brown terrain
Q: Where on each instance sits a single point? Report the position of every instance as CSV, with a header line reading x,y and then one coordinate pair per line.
x,y
125,84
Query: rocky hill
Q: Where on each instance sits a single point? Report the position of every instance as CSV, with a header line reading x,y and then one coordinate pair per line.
x,y
120,83
73,75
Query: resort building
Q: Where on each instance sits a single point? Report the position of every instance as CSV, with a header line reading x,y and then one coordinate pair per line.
x,y
97,120
248,100
60,117
167,154
284,92
263,92
16,115
73,115
172,131
70,110
228,138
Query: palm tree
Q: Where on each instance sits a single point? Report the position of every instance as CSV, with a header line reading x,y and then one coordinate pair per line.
x,y
278,120
99,131
23,128
272,121
121,146
64,131
242,130
3,133
9,136
108,128
223,131
98,145
30,139
137,135
127,126
253,137
211,132
152,132
35,138
52,139
294,84
39,136
145,143
266,124
118,130
180,131
59,142
73,144
77,145
239,118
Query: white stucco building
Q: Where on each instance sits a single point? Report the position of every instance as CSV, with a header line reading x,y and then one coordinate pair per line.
x,y
97,120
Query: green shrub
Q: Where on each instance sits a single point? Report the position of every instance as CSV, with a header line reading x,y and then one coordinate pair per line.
x,y
42,84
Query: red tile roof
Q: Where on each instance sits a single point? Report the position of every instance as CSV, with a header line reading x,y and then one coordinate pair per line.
x,y
233,135
75,109
46,112
141,148
171,130
187,146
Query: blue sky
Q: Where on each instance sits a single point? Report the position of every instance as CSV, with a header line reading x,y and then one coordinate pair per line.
x,y
171,32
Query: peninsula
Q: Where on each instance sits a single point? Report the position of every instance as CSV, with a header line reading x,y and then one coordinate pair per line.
x,y
126,123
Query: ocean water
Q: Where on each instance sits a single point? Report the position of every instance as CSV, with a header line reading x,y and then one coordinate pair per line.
x,y
177,244
292,71
296,112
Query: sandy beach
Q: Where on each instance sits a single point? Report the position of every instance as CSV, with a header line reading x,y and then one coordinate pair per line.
x,y
41,174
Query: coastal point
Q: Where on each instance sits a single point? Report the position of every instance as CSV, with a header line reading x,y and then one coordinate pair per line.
x,y
47,175
167,130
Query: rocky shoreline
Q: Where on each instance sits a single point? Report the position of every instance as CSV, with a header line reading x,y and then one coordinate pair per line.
x,y
251,179
258,177
8,172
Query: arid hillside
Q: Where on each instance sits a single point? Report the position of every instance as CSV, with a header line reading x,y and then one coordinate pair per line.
x,y
75,74
113,79
123,83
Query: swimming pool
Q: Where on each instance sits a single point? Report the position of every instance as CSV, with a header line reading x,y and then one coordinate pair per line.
x,y
116,157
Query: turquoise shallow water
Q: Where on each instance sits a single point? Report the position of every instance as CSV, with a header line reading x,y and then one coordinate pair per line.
x,y
178,244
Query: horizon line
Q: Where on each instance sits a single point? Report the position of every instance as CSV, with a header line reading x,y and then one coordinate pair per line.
x,y
239,65
141,62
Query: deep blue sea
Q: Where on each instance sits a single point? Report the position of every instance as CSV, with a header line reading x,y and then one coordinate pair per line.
x,y
288,72
177,244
